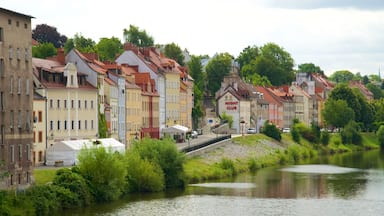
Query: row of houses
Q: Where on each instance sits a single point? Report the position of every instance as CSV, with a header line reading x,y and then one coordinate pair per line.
x,y
138,96
250,106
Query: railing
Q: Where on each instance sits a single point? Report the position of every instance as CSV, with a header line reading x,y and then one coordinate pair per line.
x,y
206,143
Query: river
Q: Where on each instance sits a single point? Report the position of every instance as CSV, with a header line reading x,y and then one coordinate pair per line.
x,y
347,184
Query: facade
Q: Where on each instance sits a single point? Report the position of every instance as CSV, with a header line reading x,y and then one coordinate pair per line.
x,y
39,130
71,101
111,107
16,100
275,108
288,102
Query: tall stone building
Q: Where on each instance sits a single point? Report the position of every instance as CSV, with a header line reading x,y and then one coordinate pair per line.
x,y
16,100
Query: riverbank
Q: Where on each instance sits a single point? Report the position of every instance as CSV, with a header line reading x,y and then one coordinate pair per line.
x,y
251,152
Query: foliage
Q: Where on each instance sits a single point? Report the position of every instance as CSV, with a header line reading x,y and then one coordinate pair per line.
x,y
138,37
109,48
173,51
44,176
376,91
324,138
196,71
248,55
103,129
167,156
380,135
44,33
44,50
228,165
271,130
305,132
309,68
82,44
217,68
295,134
143,175
74,182
350,134
337,113
341,76
343,92
227,118
105,172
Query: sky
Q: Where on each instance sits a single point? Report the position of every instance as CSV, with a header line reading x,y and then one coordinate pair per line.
x,y
332,34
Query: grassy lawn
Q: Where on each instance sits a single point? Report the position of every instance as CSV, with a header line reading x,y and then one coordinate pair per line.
x,y
43,176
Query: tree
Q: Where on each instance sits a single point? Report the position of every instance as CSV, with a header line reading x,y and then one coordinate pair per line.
x,y
44,50
109,48
337,113
105,172
343,92
342,76
374,78
217,68
82,44
309,68
248,55
138,37
376,91
195,69
44,33
380,136
227,118
173,51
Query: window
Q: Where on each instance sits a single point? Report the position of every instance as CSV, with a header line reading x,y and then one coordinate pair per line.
x,y
2,134
27,87
79,104
1,34
2,66
2,101
72,104
12,153
40,157
19,119
65,104
51,125
11,119
91,104
91,124
50,103
73,125
40,138
25,25
20,152
19,86
85,104
11,85
17,23
65,125
9,22
58,125
28,152
10,52
85,124
58,104
28,121
79,124
26,54
40,116
18,54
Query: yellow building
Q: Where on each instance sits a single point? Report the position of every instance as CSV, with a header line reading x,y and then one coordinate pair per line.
x,y
133,112
172,97
39,130
71,101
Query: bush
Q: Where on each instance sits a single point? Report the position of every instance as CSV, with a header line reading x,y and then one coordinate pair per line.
x,y
324,138
271,130
380,135
104,171
253,165
295,135
350,134
143,176
227,164
167,156
74,182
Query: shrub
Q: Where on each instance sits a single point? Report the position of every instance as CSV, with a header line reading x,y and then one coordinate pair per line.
x,y
295,135
350,134
380,135
324,138
253,165
271,130
227,164
143,176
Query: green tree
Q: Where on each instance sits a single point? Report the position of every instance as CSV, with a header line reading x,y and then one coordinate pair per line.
x,y
337,113
374,78
173,51
196,71
350,134
248,55
138,37
271,130
343,92
376,91
309,68
167,156
227,119
44,33
380,136
109,48
44,50
342,76
82,44
217,68
105,172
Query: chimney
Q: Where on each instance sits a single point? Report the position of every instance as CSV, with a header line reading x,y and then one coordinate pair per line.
x,y
60,56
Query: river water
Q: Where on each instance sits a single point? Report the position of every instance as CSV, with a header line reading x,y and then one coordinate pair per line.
x,y
348,184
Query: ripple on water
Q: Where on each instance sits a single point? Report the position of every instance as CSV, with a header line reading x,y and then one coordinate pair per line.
x,y
319,169
234,185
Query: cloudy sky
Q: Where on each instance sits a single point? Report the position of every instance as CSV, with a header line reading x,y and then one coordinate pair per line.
x,y
333,34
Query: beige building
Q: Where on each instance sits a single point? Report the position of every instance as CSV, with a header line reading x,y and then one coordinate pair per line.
x,y
40,144
16,100
71,101
172,97
111,107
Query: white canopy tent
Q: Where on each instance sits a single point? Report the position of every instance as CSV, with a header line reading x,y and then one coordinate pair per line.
x,y
67,151
178,132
